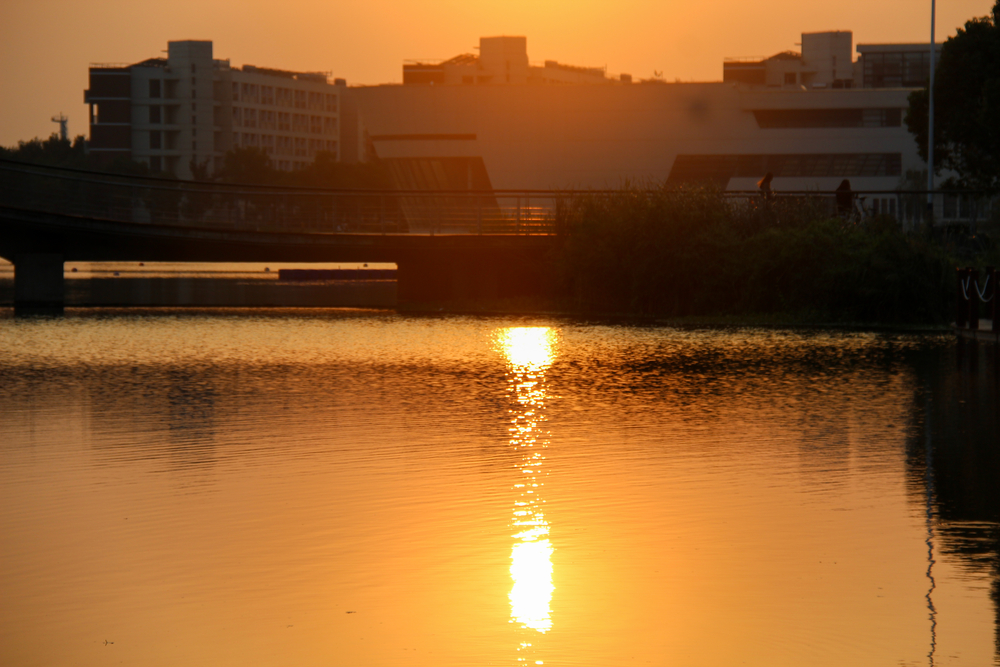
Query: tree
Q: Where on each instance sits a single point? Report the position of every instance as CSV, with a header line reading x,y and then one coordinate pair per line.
x,y
966,105
326,172
54,152
247,165
58,152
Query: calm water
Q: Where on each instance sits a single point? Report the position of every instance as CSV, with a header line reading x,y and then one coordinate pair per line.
x,y
333,488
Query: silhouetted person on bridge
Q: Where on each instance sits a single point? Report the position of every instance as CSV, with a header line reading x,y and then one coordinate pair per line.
x,y
845,199
764,185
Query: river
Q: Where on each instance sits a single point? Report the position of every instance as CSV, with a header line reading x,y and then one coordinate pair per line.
x,y
331,487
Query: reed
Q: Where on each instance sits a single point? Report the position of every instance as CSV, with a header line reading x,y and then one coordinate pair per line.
x,y
697,252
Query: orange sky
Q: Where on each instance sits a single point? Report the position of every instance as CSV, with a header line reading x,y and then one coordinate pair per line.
x,y
46,45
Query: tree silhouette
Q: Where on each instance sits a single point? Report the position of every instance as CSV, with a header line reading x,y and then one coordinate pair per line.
x,y
966,104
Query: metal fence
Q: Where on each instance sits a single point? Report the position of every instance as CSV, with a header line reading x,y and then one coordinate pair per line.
x,y
908,207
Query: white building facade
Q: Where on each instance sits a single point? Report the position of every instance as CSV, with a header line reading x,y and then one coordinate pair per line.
x,y
188,109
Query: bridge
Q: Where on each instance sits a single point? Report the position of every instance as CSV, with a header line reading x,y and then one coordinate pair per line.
x,y
449,246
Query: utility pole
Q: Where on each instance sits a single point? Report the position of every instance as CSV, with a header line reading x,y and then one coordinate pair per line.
x,y
930,125
63,129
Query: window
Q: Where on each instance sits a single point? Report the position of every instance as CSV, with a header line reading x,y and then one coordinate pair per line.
x,y
284,121
882,117
789,78
315,124
155,141
300,147
300,122
329,126
155,164
316,101
236,92
267,95
904,69
154,116
283,97
331,103
249,118
237,117
194,146
249,93
300,99
154,88
720,168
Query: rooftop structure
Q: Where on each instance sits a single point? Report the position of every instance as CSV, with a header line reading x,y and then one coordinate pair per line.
x,y
826,62
501,60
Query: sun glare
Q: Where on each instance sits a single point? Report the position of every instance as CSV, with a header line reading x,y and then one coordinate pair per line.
x,y
529,351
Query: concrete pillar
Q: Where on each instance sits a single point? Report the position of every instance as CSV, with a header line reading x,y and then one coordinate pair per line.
x,y
38,283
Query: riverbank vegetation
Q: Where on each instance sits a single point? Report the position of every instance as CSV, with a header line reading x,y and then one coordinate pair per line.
x,y
698,253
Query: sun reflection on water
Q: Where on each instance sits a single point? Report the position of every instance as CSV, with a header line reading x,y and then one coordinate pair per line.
x,y
529,352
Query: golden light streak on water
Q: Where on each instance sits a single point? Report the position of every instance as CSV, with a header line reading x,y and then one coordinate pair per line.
x,y
529,351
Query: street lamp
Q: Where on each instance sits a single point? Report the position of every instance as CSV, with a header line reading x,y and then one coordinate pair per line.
x,y
930,125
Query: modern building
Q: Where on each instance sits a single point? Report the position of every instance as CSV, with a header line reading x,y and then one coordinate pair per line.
x,y
190,108
812,119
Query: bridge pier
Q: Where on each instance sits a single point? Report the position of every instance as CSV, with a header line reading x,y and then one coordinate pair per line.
x,y
38,283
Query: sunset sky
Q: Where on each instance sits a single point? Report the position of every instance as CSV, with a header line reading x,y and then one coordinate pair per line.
x,y
46,45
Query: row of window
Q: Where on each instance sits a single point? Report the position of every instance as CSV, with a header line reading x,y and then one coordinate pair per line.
x,y
284,121
907,69
720,168
819,118
158,164
271,144
252,93
279,145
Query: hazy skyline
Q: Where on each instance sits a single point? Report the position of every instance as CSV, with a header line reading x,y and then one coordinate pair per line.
x,y
46,46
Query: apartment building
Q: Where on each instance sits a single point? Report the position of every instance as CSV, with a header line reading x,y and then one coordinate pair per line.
x,y
189,109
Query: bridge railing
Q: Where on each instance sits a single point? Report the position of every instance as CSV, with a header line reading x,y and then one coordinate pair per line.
x,y
158,201
155,201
